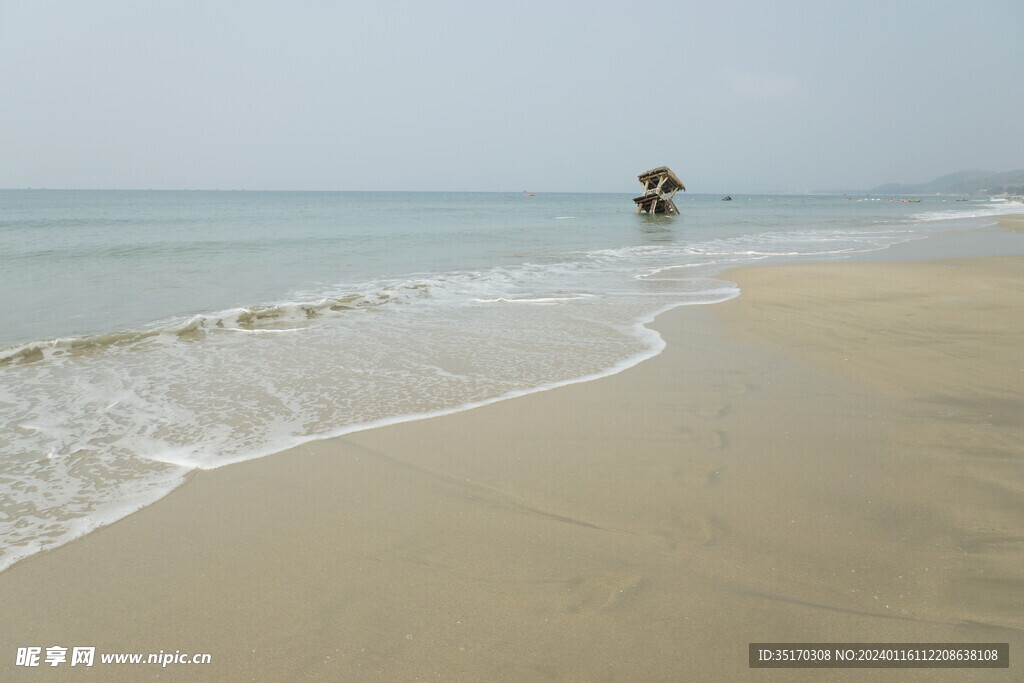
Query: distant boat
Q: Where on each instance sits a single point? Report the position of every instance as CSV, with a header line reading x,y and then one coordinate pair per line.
x,y
527,194
726,198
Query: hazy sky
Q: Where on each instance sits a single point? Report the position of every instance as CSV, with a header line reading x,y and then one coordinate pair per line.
x,y
539,96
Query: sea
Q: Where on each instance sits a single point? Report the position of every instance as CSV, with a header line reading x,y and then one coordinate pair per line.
x,y
145,335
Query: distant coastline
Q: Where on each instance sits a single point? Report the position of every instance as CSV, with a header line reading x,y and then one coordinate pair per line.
x,y
974,182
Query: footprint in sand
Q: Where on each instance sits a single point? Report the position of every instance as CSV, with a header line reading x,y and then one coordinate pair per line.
x,y
711,412
703,438
603,592
713,528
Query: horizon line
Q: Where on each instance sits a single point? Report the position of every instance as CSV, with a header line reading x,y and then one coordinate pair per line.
x,y
821,192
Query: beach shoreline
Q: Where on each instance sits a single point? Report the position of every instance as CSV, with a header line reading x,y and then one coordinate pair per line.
x,y
833,456
99,430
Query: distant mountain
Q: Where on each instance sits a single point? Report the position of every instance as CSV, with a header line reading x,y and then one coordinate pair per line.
x,y
962,182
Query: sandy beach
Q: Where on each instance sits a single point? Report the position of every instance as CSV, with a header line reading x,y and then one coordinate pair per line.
x,y
834,456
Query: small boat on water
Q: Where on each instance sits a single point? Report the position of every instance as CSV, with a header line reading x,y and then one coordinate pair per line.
x,y
727,198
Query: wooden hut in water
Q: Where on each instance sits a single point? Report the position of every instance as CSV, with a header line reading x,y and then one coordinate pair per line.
x,y
659,186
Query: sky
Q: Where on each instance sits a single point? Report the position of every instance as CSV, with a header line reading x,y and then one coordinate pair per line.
x,y
549,96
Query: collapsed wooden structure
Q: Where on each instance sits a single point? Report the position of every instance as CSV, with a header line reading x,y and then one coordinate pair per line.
x,y
660,184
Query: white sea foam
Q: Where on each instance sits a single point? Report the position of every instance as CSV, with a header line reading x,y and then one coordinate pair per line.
x,y
153,425
974,210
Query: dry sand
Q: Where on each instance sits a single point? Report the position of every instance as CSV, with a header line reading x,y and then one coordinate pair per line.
x,y
835,456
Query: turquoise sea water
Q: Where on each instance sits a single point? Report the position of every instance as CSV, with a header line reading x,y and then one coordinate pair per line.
x,y
148,334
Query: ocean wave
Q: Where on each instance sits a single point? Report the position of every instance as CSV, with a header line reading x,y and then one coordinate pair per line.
x,y
974,210
256,318
558,281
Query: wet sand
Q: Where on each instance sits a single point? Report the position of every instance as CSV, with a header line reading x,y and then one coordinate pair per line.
x,y
837,455
1012,221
